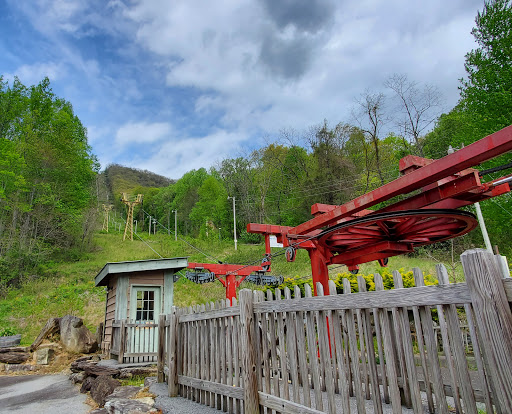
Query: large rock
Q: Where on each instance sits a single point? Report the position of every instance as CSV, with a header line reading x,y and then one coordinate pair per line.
x,y
77,377
102,387
137,371
42,356
75,336
125,406
99,411
19,368
87,384
126,392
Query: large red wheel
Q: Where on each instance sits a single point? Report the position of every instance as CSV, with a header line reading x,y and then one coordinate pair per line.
x,y
412,227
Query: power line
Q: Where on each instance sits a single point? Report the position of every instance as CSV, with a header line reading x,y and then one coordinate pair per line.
x,y
185,241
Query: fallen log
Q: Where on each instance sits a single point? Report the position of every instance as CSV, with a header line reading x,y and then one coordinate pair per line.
x,y
97,370
51,327
14,357
14,349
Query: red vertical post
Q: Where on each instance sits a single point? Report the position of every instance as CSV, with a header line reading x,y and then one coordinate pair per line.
x,y
319,269
231,287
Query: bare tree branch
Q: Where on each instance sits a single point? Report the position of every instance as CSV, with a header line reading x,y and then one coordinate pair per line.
x,y
418,107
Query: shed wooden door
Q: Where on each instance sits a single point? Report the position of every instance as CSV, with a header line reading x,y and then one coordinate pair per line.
x,y
144,310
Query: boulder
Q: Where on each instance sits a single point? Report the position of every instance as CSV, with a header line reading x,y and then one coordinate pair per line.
x,y
102,387
99,411
148,381
87,384
128,391
125,406
146,400
137,371
77,377
75,336
42,356
19,368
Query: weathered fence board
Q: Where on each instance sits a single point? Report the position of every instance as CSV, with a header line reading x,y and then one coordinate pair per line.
x,y
312,354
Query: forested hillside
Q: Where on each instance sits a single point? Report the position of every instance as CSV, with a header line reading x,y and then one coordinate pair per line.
x,y
119,179
47,173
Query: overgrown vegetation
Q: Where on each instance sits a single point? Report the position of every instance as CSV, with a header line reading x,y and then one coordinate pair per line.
x,y
46,174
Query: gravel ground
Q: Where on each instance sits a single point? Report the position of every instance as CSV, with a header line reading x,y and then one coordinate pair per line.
x,y
40,394
182,405
178,405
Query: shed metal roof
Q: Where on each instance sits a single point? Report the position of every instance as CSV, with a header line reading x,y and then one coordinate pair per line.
x,y
174,263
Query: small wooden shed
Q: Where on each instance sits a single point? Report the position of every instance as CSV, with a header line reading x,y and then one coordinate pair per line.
x,y
137,293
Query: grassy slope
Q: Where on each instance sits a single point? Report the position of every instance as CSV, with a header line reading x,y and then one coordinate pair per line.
x,y
71,288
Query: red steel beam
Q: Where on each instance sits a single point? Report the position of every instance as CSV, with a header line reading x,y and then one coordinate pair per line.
x,y
451,189
474,154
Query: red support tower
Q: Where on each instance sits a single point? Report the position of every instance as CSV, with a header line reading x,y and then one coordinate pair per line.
x,y
232,275
352,234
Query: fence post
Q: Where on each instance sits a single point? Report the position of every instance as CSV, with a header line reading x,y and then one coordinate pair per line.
x,y
172,379
249,368
493,319
161,349
122,341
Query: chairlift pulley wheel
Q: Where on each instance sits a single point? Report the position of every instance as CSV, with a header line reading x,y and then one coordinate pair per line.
x,y
414,227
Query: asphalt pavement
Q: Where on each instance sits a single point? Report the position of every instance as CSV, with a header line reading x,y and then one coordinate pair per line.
x,y
41,394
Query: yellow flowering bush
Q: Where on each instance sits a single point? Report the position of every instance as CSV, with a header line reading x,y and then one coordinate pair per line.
x,y
387,278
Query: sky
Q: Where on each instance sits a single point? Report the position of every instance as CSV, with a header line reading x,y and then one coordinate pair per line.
x,y
175,85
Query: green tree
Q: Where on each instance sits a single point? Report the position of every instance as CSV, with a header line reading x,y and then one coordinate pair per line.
x,y
46,177
212,208
486,92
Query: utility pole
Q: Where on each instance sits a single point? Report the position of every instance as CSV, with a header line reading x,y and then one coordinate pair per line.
x,y
175,224
479,215
234,220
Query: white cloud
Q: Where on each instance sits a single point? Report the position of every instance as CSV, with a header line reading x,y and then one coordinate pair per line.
x,y
174,158
221,49
142,132
223,74
33,74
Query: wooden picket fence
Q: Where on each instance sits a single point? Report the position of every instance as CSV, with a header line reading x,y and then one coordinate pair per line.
x,y
134,342
350,351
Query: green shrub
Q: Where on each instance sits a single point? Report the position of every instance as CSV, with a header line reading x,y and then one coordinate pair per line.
x,y
7,331
387,278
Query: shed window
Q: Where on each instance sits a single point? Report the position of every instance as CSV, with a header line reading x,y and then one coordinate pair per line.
x,y
145,305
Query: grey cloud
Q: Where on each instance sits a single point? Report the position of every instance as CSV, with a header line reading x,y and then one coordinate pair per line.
x,y
286,58
305,15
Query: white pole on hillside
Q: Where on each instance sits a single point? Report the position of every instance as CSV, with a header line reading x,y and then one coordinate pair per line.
x,y
234,220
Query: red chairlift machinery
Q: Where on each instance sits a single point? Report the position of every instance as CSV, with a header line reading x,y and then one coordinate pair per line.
x,y
351,234
232,275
